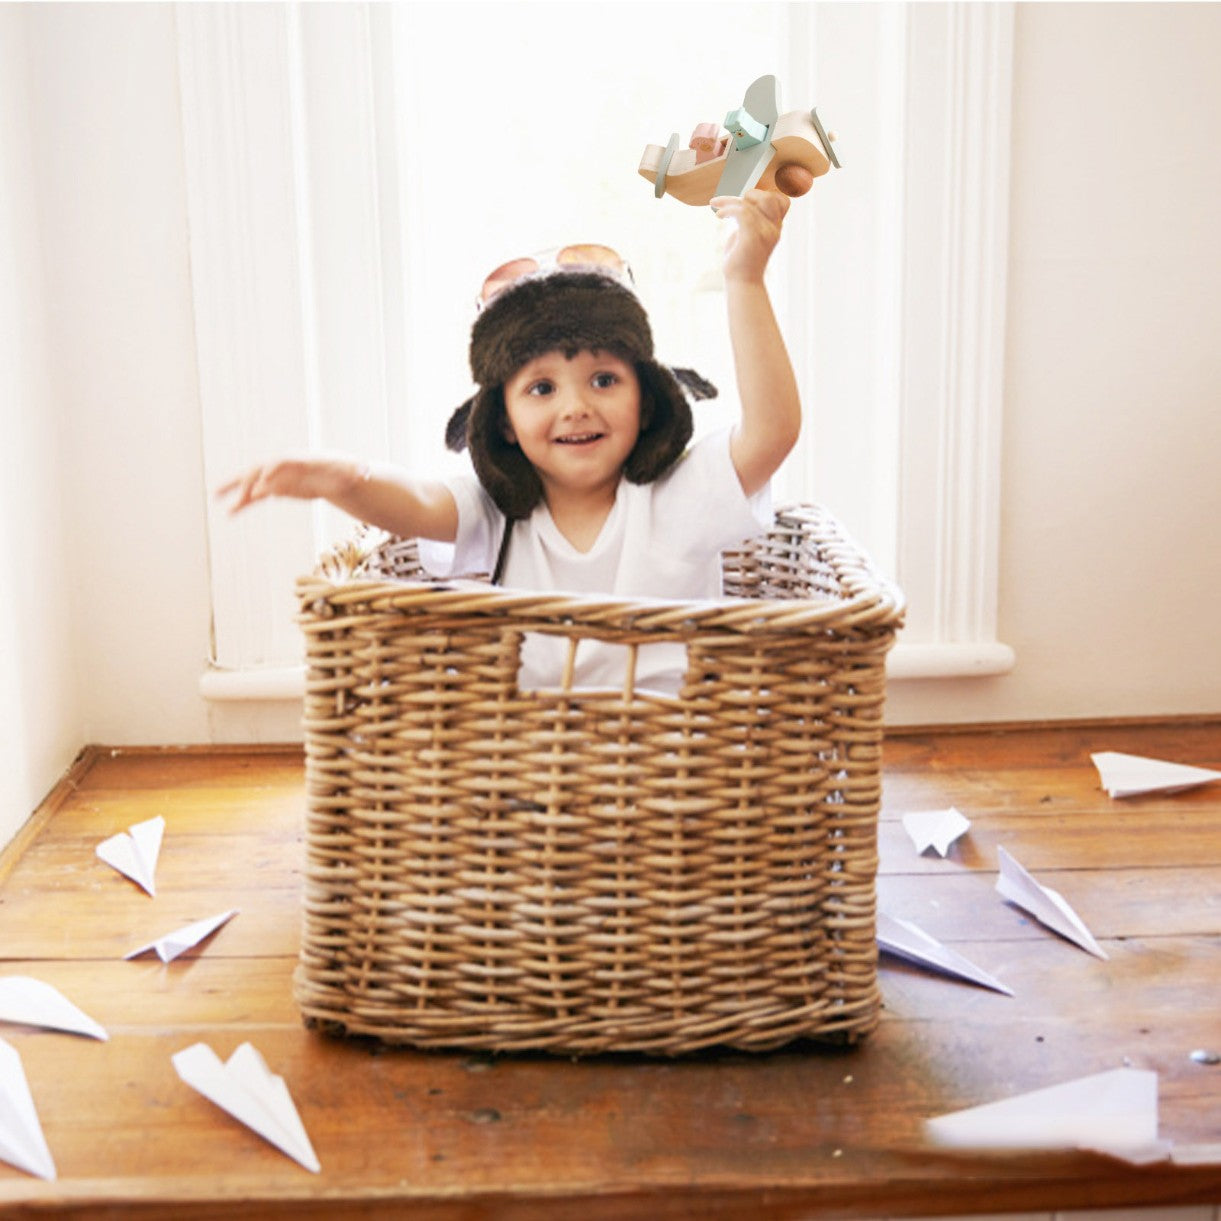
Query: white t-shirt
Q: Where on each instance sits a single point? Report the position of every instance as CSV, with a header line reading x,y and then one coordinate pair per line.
x,y
662,539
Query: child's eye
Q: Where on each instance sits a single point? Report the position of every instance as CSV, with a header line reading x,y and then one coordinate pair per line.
x,y
541,387
604,381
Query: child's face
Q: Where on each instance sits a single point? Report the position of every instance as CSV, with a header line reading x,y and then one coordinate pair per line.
x,y
575,420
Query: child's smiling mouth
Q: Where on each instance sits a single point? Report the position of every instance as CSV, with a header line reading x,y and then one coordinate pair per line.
x,y
580,438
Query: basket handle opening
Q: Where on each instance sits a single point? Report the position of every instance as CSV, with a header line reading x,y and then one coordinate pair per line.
x,y
571,664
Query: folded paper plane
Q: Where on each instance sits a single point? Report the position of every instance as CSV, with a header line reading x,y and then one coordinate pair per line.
x,y
134,852
168,948
1047,906
22,1143
245,1087
908,941
1113,1112
936,829
1130,775
31,1002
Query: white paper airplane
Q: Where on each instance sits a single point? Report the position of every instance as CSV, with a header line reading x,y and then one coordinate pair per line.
x,y
246,1088
1129,775
1044,904
168,948
1113,1112
134,852
22,1143
31,1002
908,941
936,829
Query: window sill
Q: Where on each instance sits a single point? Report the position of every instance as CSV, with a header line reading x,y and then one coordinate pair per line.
x,y
905,661
272,684
965,660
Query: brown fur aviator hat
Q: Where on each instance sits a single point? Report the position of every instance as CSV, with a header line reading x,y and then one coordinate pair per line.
x,y
567,311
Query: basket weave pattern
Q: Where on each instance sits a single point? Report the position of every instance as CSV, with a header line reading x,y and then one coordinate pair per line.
x,y
595,871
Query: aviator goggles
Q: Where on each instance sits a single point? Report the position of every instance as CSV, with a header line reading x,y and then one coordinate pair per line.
x,y
590,255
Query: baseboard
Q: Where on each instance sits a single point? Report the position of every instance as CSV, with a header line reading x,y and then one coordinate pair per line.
x,y
1164,721
153,749
1185,720
89,755
46,809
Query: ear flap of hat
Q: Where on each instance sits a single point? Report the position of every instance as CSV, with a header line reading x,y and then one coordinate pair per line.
x,y
505,472
665,424
697,387
455,428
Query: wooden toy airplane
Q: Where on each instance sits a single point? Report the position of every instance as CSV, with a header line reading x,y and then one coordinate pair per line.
x,y
763,148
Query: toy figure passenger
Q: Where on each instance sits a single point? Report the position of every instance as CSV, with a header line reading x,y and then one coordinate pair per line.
x,y
579,440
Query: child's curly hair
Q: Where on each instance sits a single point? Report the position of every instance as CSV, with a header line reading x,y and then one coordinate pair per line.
x,y
569,312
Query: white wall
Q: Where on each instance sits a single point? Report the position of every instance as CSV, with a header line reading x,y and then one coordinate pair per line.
x,y
104,117
41,727
1111,517
1110,569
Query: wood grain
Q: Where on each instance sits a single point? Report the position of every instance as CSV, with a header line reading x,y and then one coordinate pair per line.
x,y
805,1132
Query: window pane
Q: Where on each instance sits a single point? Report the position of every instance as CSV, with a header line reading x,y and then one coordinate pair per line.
x,y
529,138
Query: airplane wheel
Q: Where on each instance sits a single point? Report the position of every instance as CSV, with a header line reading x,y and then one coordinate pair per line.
x,y
794,179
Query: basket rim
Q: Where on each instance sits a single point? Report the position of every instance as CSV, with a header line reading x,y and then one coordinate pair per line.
x,y
873,601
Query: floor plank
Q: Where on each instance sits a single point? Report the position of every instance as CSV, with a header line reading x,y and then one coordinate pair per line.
x,y
805,1132
1114,903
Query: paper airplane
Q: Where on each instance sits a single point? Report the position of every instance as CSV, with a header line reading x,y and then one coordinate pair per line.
x,y
34,1003
1129,775
936,829
22,1143
1113,1112
134,852
245,1088
905,939
180,940
1044,904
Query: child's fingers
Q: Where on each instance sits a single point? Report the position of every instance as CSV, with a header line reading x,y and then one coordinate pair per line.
x,y
773,204
768,206
227,489
762,212
260,484
245,488
298,478
770,201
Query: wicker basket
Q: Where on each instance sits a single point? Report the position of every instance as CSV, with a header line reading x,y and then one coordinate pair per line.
x,y
591,872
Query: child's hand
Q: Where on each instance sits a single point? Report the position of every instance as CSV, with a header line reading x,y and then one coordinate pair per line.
x,y
758,217
300,478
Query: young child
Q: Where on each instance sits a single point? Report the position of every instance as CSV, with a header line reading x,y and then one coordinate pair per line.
x,y
578,436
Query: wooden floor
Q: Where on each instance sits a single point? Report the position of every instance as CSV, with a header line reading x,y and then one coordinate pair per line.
x,y
801,1133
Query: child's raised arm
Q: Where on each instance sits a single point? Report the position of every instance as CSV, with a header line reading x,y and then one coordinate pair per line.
x,y
372,493
767,386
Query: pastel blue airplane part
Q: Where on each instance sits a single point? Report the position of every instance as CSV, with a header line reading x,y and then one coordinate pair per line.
x,y
746,131
827,145
659,187
744,166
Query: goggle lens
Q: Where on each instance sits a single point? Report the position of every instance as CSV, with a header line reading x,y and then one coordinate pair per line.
x,y
588,255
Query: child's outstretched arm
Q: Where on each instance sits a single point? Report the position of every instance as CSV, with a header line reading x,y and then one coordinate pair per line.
x,y
372,493
767,386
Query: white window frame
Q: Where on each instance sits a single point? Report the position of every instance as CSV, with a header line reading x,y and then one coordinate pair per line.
x,y
293,307
957,133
